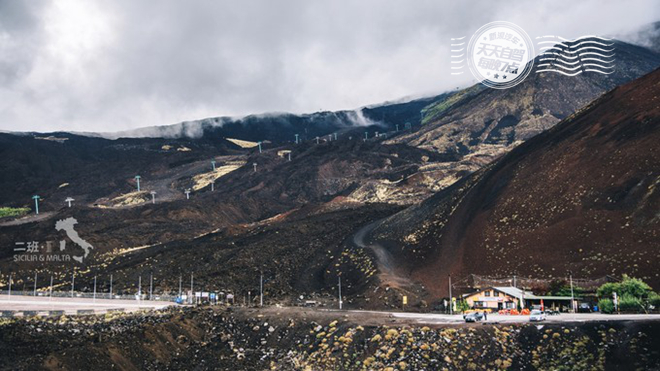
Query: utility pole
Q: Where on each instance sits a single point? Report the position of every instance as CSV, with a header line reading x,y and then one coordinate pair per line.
x,y
151,285
259,143
137,178
139,287
570,278
94,297
110,286
340,301
261,290
397,127
69,200
9,296
317,140
73,282
514,280
34,293
187,192
335,136
255,167
366,135
289,156
192,293
50,291
451,298
36,203
212,186
153,197
296,138
180,282
213,164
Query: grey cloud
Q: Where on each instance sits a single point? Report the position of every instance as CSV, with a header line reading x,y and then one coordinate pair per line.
x,y
20,35
119,65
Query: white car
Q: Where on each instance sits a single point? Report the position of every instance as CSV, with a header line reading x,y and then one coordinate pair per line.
x,y
536,316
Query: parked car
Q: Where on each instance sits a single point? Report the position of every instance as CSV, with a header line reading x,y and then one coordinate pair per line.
x,y
536,316
474,317
584,308
552,312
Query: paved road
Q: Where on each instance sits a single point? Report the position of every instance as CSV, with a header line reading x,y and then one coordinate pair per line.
x,y
436,319
568,317
72,305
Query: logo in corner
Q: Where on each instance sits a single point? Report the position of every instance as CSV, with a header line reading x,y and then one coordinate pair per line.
x,y
34,251
67,225
500,55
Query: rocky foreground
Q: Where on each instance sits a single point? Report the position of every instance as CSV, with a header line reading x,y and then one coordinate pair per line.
x,y
240,339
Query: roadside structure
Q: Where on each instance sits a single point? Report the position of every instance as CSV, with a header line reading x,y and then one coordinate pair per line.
x,y
508,297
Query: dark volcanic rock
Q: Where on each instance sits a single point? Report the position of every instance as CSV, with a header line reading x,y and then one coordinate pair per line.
x,y
225,339
582,196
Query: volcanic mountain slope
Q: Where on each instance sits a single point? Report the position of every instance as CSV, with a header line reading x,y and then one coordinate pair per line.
x,y
318,173
59,165
329,175
477,115
299,253
476,123
86,167
581,197
324,176
481,117
486,123
283,127
315,174
288,218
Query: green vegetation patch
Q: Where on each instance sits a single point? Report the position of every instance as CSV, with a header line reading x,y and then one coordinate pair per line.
x,y
13,211
435,110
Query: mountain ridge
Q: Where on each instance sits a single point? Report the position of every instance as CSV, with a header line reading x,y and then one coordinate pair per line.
x,y
494,221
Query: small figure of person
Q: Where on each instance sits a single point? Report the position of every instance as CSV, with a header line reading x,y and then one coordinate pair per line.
x,y
485,316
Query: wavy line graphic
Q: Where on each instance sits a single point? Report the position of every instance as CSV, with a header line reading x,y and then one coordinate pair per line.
x,y
576,39
588,53
577,56
458,60
573,68
558,59
576,45
577,51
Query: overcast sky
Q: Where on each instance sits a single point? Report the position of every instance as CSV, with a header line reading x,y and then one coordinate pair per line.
x,y
110,65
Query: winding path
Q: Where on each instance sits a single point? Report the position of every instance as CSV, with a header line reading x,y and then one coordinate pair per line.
x,y
389,273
